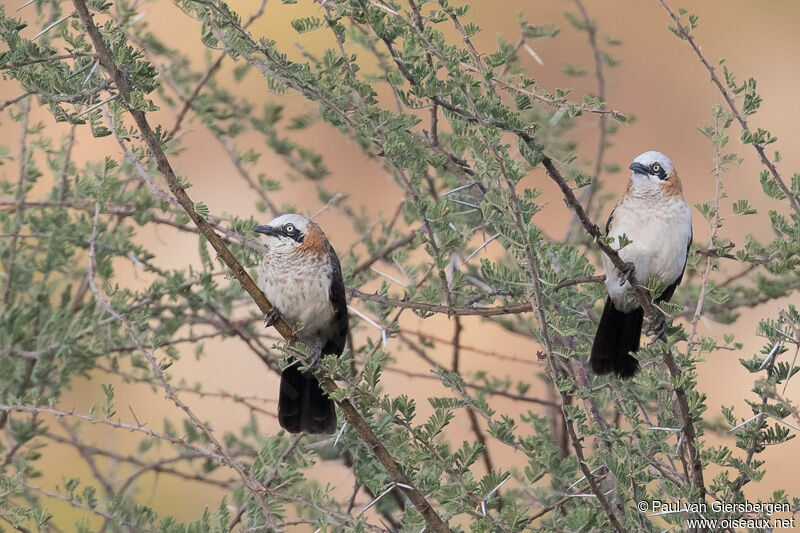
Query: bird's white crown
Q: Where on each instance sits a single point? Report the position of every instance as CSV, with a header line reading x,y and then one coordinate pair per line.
x,y
298,221
651,156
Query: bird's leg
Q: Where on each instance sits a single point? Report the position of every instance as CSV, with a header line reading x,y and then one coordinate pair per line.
x,y
658,327
272,316
628,274
314,355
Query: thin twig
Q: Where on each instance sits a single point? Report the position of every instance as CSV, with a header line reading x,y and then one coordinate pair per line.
x,y
681,30
450,310
602,124
248,478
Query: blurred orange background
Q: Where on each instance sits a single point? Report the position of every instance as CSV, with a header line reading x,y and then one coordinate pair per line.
x,y
658,80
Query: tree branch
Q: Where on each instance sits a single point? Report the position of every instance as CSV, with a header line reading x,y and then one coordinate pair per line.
x,y
681,30
432,519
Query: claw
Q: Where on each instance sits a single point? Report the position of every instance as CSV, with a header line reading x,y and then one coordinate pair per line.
x,y
314,356
271,317
628,274
658,328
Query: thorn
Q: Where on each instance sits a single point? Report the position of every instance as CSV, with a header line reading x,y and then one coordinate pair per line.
x,y
387,276
134,416
339,436
26,4
497,487
780,420
534,54
369,321
680,441
95,106
481,247
734,428
375,500
771,356
94,67
53,25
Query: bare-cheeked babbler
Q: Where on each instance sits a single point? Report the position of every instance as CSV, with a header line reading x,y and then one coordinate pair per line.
x,y
301,276
657,221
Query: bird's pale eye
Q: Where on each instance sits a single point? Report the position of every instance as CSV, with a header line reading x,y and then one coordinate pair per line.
x,y
656,168
289,228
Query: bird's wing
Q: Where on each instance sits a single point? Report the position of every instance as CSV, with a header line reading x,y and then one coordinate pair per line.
x,y
338,330
610,218
611,222
669,291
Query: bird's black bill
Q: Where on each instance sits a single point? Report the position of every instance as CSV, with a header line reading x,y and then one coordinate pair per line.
x,y
267,230
639,168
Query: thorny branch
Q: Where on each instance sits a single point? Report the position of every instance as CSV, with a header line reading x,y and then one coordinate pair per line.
x,y
351,414
557,367
541,293
643,298
248,479
602,124
759,148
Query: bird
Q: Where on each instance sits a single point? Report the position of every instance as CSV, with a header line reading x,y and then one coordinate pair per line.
x,y
301,276
658,224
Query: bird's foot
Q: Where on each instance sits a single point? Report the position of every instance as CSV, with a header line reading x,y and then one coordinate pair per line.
x,y
314,356
271,317
658,328
628,274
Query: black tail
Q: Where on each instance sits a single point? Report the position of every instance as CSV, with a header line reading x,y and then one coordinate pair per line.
x,y
302,404
617,336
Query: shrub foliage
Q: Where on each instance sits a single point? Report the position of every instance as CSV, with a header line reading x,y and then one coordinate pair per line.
x,y
458,129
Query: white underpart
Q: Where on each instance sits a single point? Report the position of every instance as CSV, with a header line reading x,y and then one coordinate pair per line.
x,y
298,284
660,227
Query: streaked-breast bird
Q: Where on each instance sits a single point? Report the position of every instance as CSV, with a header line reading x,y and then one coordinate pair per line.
x,y
657,221
301,276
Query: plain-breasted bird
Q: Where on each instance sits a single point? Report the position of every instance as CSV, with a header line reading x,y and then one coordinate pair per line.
x,y
658,223
301,276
